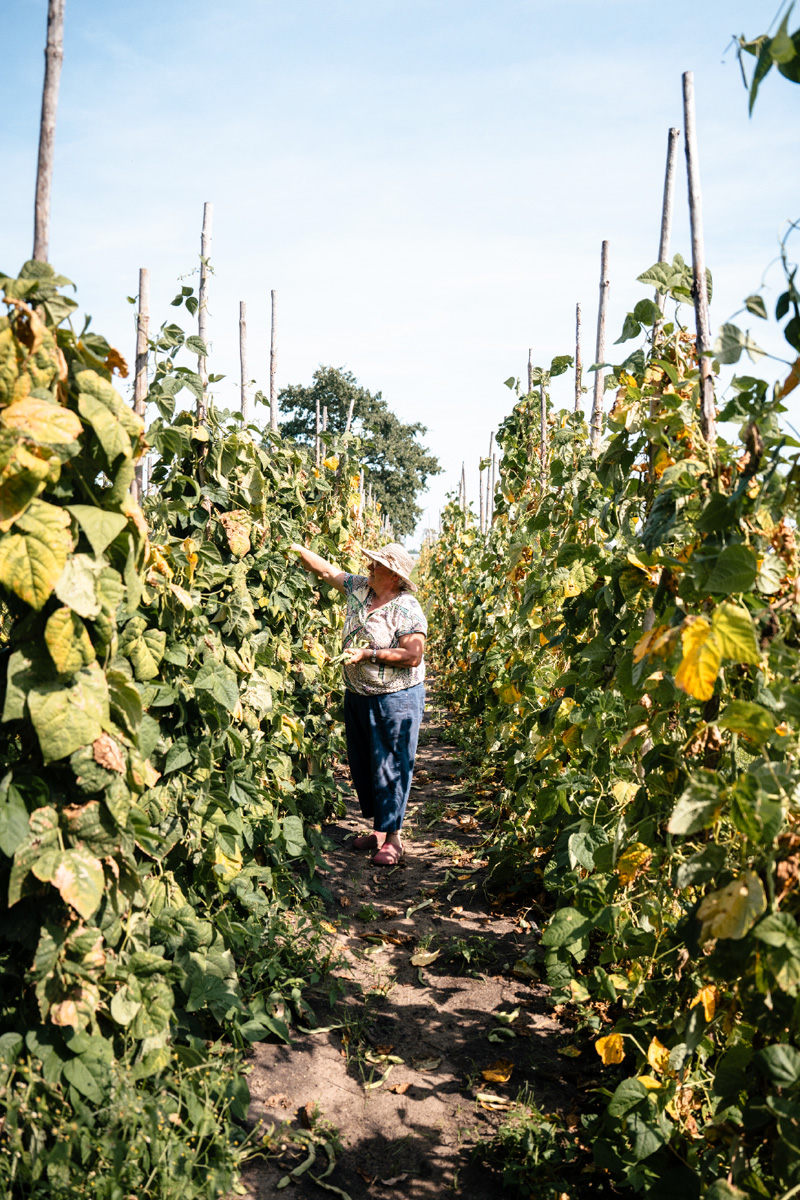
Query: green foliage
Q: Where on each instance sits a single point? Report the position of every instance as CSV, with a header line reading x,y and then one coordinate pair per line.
x,y
397,465
621,654
169,730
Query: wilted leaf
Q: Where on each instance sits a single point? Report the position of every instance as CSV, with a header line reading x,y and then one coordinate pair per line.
x,y
42,421
68,641
423,958
499,1072
702,658
733,910
611,1048
33,557
79,878
709,997
658,1056
636,858
426,1064
108,753
734,628
66,718
753,721
21,479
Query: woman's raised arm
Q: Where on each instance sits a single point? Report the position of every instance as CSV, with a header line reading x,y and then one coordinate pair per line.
x,y
327,572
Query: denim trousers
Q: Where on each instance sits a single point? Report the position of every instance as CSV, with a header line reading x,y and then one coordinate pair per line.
x,y
382,733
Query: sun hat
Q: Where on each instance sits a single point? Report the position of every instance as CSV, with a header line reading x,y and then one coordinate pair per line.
x,y
396,559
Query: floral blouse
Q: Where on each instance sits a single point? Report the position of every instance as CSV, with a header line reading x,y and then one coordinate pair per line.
x,y
383,629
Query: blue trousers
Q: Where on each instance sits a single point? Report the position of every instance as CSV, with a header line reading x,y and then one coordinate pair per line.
x,y
382,733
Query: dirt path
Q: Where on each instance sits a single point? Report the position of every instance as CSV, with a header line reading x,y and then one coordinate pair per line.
x,y
436,1027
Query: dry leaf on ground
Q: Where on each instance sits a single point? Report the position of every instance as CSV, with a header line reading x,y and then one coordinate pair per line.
x,y
499,1071
399,1089
423,958
426,1064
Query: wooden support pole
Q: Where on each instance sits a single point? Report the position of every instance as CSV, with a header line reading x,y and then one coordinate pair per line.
x,y
578,362
324,418
543,425
349,414
494,485
600,352
463,488
489,483
361,492
273,367
53,59
708,413
667,204
243,361
481,517
316,439
140,368
202,305
530,371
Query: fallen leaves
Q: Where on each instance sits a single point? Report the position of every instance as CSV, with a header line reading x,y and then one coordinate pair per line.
x,y
499,1071
423,958
426,1063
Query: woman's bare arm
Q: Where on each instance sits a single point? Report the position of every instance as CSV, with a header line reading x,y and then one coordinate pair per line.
x,y
327,572
408,653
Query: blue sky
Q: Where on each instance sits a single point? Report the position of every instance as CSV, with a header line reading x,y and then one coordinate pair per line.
x,y
426,183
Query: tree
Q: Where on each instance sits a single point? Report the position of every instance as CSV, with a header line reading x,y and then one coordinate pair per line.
x,y
397,465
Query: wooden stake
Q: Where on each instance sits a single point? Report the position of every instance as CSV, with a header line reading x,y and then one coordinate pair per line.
x,y
243,360
325,418
494,485
53,59
667,205
530,371
578,362
316,440
543,424
463,488
600,352
349,415
140,368
202,305
708,413
361,492
480,497
273,366
489,483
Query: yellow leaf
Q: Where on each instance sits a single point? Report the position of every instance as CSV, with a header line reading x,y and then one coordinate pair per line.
x,y
702,657
624,791
225,868
610,1048
42,421
571,737
649,1082
21,479
733,910
31,561
658,1056
644,646
423,958
636,858
570,1051
499,1071
332,462
709,997
68,642
510,694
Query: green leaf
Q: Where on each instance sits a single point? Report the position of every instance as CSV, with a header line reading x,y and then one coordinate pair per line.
x,y
68,642
734,571
698,807
13,824
100,526
220,682
734,628
126,1002
32,559
780,1063
76,1073
700,867
77,586
630,329
560,364
782,48
752,720
293,836
628,1095
66,718
566,926
755,305
731,341
147,652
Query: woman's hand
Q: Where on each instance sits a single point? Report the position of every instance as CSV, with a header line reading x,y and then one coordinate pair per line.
x,y
356,654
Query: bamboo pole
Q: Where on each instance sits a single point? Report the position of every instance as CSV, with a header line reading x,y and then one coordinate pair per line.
x,y
489,483
463,488
243,360
667,205
349,415
53,60
325,418
530,371
708,415
543,423
600,352
316,439
273,367
361,492
202,305
578,362
494,485
140,369
480,498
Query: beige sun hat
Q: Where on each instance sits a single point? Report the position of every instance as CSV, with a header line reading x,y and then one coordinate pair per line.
x,y
396,559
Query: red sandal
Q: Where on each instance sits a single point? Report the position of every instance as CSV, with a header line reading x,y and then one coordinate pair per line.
x,y
388,855
365,841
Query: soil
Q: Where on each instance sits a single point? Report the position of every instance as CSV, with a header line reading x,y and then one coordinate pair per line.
x,y
436,1027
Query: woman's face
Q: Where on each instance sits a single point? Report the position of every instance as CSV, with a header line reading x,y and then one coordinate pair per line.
x,y
380,577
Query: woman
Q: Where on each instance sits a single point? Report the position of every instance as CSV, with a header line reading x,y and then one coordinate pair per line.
x,y
384,667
